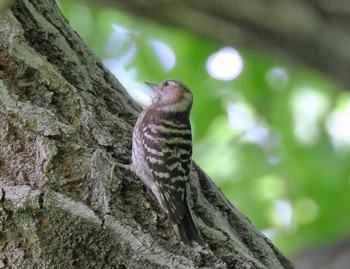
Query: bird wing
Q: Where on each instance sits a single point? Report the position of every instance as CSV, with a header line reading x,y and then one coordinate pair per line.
x,y
168,148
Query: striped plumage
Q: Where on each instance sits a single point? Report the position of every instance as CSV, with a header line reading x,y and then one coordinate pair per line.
x,y
162,150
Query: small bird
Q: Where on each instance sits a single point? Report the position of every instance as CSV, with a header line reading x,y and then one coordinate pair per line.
x,y
162,153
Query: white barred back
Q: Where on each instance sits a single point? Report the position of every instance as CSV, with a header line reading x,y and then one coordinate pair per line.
x,y
162,152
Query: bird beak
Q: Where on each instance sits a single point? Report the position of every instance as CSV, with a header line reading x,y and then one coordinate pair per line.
x,y
152,85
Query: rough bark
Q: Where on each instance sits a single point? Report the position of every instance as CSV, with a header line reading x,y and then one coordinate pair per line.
x,y
314,33
64,121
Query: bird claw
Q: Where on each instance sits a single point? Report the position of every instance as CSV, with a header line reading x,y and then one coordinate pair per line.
x,y
120,165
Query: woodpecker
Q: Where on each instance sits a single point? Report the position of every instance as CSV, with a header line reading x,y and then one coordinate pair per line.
x,y
162,153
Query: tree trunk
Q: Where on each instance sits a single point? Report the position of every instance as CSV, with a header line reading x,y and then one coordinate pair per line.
x,y
64,121
315,33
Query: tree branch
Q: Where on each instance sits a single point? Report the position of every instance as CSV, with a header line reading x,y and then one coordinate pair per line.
x,y
310,33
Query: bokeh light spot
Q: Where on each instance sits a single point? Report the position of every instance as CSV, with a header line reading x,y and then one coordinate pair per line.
x,y
164,53
280,215
338,124
306,210
309,106
244,120
269,187
277,78
226,64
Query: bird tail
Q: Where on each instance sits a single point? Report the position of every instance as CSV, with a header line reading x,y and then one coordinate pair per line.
x,y
186,229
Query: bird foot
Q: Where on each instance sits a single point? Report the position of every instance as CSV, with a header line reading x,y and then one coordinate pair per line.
x,y
120,165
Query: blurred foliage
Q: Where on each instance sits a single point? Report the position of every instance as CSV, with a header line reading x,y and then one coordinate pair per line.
x,y
275,139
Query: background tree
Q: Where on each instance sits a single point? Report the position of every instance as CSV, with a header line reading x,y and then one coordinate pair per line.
x,y
310,33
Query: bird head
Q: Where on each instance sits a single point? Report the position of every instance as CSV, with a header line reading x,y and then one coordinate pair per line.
x,y
172,94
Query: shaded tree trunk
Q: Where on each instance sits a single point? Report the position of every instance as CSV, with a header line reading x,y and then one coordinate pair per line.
x,y
64,121
315,33
335,255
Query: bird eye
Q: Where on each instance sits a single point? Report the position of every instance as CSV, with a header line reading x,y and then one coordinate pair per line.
x,y
166,83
